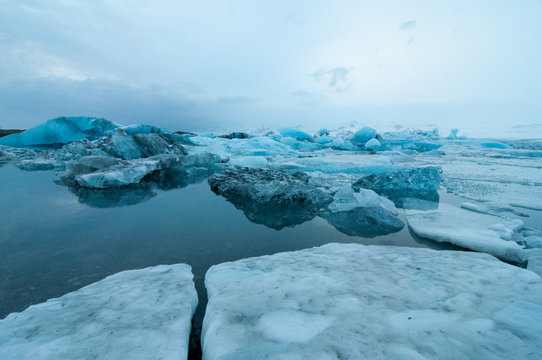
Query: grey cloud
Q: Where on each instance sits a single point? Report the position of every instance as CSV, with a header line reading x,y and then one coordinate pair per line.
x,y
336,78
408,25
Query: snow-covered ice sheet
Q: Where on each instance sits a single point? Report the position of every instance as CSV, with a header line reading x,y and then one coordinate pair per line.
x,y
136,314
471,230
349,301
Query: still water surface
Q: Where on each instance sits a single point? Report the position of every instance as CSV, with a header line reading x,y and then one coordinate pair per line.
x,y
51,244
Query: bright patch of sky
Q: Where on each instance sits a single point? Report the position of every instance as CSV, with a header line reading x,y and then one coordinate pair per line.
x,y
230,64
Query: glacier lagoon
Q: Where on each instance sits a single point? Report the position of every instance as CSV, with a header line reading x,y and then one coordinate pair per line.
x,y
132,197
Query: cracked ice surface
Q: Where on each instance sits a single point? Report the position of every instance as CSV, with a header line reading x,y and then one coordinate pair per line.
x,y
349,301
136,314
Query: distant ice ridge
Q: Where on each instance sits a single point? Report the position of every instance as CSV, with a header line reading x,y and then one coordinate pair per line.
x,y
136,314
349,301
471,230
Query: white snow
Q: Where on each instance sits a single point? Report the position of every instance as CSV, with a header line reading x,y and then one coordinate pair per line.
x,y
349,301
471,230
136,314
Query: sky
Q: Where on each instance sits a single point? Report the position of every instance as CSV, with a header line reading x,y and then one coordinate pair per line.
x,y
235,64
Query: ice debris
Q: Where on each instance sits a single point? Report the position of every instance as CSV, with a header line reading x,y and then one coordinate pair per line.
x,y
270,197
349,301
136,314
470,230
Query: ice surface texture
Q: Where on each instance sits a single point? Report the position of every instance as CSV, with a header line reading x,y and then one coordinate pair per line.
x,y
471,230
270,197
136,314
349,301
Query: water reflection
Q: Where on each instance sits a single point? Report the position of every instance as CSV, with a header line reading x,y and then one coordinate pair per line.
x,y
135,194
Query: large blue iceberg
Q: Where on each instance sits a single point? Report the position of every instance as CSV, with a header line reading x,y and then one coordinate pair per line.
x,y
61,130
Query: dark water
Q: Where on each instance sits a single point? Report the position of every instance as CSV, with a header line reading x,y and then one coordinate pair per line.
x,y
51,244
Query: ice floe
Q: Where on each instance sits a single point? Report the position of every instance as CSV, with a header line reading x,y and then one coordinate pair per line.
x,y
349,301
470,230
136,314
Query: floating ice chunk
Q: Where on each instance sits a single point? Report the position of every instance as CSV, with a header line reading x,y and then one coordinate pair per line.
x,y
299,145
125,146
61,130
136,314
342,144
363,135
118,176
102,172
478,232
373,144
362,213
296,134
346,199
403,183
270,197
349,301
325,139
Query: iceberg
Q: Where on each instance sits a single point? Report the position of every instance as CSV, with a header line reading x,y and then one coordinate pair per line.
x,y
128,147
362,213
136,314
404,183
270,197
470,230
349,301
61,130
102,172
363,135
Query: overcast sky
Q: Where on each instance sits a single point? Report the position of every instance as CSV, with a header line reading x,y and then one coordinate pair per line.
x,y
226,64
